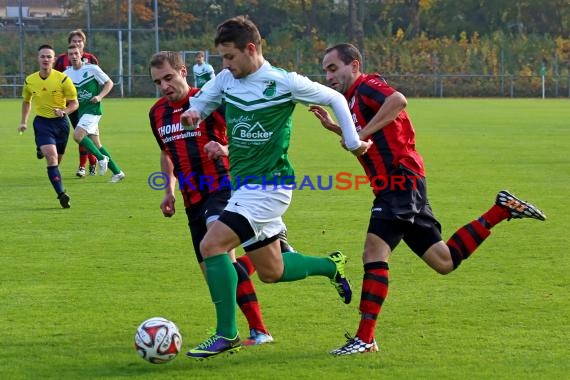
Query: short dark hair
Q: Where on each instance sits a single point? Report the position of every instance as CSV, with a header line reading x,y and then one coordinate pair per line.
x,y
240,31
346,53
173,58
45,46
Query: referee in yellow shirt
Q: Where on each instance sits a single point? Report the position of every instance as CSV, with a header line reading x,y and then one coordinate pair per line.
x,y
54,96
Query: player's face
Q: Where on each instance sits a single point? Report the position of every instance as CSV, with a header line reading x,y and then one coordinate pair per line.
x,y
339,75
78,41
74,56
46,58
171,83
240,63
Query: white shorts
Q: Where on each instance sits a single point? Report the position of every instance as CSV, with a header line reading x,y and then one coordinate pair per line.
x,y
263,209
90,123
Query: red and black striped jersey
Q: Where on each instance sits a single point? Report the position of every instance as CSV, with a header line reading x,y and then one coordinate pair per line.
x,y
197,175
395,144
62,61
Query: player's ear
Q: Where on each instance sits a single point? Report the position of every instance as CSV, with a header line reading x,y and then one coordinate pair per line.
x,y
355,66
183,71
251,48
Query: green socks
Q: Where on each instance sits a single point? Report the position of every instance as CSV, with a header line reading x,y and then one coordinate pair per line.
x,y
298,266
100,153
91,147
112,164
222,281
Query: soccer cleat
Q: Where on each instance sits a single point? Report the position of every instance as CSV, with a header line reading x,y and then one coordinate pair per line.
x,y
355,346
64,200
118,177
215,345
257,337
92,169
285,246
517,207
80,172
39,154
102,165
339,281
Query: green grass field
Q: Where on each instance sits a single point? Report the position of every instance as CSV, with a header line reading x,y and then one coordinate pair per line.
x,y
74,284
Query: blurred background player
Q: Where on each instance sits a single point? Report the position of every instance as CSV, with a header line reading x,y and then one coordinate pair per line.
x,y
54,97
202,71
92,86
78,38
184,157
399,212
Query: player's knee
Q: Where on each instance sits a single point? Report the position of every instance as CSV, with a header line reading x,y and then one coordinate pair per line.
x,y
269,278
439,260
445,269
442,266
51,158
269,275
207,249
372,255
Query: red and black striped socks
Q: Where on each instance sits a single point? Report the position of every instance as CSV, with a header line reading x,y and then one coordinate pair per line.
x,y
374,292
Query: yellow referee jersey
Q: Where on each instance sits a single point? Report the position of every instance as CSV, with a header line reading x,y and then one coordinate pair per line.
x,y
48,94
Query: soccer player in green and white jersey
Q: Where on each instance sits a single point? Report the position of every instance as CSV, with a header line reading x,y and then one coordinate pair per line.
x,y
259,100
92,85
202,70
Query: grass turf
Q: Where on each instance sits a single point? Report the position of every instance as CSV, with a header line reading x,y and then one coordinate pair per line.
x,y
75,283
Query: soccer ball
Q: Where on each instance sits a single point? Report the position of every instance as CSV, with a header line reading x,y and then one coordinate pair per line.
x,y
158,340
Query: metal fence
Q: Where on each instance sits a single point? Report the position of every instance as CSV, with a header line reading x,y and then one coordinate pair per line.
x,y
412,85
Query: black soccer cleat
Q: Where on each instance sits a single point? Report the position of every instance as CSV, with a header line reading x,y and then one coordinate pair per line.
x,y
517,207
64,200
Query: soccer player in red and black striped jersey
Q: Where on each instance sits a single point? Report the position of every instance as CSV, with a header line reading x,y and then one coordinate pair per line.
x,y
62,62
203,182
400,210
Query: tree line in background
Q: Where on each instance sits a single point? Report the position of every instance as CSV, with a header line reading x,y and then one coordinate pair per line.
x,y
397,37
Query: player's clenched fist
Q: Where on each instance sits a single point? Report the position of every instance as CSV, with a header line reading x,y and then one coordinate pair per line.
x,y
190,119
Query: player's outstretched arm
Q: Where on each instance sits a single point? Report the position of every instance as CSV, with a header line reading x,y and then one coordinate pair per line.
x,y
325,118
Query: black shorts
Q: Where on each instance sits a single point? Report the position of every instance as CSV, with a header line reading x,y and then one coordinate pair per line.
x,y
74,118
199,215
51,131
404,213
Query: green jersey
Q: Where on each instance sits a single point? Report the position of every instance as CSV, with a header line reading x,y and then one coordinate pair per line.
x,y
258,115
88,80
202,74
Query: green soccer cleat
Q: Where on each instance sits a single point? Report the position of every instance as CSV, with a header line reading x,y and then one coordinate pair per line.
x,y
339,281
